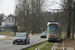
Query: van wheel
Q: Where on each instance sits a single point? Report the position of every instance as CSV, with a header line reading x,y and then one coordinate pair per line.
x,y
29,42
26,42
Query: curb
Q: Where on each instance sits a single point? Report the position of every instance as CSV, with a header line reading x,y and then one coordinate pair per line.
x,y
38,48
5,38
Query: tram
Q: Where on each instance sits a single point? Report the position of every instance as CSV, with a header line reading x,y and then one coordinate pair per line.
x,y
54,31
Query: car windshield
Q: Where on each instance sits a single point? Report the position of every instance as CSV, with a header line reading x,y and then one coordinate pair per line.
x,y
20,35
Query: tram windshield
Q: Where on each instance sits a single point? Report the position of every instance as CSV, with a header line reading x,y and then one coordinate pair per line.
x,y
53,28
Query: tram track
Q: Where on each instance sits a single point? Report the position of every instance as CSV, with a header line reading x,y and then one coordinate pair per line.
x,y
38,48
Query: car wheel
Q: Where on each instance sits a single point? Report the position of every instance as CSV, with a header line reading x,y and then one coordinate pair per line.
x,y
45,36
13,43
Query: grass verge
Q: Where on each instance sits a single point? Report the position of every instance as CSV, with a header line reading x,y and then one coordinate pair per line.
x,y
9,36
12,33
6,33
34,46
48,46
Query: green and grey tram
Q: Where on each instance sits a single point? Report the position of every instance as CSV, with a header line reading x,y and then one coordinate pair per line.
x,y
54,31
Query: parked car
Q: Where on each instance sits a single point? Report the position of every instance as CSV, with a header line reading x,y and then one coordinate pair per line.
x,y
43,35
21,38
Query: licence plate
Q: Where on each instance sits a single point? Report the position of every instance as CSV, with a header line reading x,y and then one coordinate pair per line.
x,y
18,40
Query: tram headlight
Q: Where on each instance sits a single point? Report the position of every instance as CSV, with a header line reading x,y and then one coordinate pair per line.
x,y
51,34
55,35
48,35
58,25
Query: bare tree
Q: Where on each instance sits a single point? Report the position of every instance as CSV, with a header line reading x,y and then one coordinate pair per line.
x,y
68,4
29,13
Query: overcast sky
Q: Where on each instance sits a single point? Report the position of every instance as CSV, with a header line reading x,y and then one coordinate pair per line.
x,y
53,4
8,6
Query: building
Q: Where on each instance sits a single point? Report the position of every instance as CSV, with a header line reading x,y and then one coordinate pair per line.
x,y
8,22
1,18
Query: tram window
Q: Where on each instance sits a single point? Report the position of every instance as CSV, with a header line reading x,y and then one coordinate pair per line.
x,y
53,28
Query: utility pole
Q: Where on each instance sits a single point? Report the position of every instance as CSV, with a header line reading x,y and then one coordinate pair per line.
x,y
15,25
73,22
32,17
68,29
68,33
15,21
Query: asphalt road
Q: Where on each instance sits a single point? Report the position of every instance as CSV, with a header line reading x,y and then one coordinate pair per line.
x,y
8,44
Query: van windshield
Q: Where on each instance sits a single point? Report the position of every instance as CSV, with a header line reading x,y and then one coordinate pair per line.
x,y
53,28
43,34
20,35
